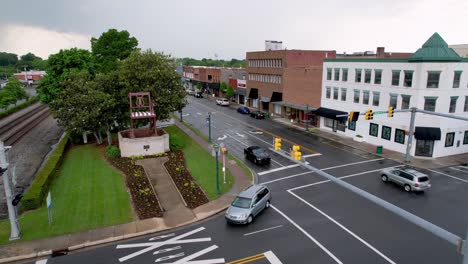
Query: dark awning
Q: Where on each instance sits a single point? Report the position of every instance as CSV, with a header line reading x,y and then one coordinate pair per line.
x,y
253,93
276,97
331,113
241,91
427,133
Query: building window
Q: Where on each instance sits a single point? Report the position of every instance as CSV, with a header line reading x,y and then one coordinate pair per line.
x,y
465,138
329,122
405,101
465,107
344,78
335,93
343,94
329,74
433,79
341,126
386,132
378,77
456,79
255,103
393,100
365,97
352,125
328,93
367,75
453,104
374,130
449,138
337,74
399,136
356,96
408,81
357,78
375,98
277,109
395,78
430,103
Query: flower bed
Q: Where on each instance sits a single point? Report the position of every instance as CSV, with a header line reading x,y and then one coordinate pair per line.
x,y
144,201
188,187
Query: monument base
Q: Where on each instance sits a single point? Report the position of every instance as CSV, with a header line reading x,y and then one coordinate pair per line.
x,y
142,144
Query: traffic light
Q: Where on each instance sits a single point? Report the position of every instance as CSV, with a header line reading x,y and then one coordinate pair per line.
x,y
353,116
297,155
277,143
369,115
390,111
223,150
296,152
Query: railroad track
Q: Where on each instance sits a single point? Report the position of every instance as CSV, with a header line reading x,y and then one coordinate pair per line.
x,y
12,131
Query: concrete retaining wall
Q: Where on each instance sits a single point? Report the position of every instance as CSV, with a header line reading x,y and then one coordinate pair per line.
x,y
143,146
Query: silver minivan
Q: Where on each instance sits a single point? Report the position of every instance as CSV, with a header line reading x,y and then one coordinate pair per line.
x,y
248,204
410,179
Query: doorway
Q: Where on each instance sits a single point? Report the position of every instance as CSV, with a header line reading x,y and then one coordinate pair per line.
x,y
424,148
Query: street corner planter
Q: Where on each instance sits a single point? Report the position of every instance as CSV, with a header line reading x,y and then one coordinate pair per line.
x,y
359,139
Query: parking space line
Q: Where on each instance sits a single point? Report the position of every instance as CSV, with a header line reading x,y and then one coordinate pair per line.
x,y
343,227
272,257
278,169
312,155
452,168
448,175
354,163
42,261
287,177
307,235
263,230
463,167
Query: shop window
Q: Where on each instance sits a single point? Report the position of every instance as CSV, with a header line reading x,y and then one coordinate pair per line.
x,y
374,130
399,136
386,132
449,138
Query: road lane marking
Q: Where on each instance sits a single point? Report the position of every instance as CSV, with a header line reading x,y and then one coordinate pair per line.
x,y
42,261
452,168
272,258
278,169
448,175
344,228
263,230
312,155
463,167
247,259
199,113
350,164
170,257
198,254
162,236
287,177
222,138
240,135
307,235
166,250
342,177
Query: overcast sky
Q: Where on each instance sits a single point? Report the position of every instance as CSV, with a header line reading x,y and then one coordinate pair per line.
x,y
203,28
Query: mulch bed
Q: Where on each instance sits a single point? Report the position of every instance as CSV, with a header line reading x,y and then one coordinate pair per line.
x,y
188,187
144,201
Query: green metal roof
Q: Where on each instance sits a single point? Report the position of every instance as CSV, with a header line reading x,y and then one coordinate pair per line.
x,y
435,49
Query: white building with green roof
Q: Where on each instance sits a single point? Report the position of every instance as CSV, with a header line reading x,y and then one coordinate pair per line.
x,y
434,78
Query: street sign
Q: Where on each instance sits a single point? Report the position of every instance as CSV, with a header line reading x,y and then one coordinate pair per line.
x,y
380,112
49,201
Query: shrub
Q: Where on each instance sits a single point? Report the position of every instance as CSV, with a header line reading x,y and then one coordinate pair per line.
x,y
34,196
112,151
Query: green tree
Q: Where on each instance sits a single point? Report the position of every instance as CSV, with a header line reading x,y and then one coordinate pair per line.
x,y
111,47
7,59
38,64
15,89
199,87
60,66
223,87
6,98
153,72
230,92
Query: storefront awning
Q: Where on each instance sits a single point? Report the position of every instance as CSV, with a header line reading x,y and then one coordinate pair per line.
x,y
331,113
294,106
253,93
427,133
241,91
276,97
264,99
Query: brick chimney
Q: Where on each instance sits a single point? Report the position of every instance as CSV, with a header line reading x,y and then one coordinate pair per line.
x,y
380,52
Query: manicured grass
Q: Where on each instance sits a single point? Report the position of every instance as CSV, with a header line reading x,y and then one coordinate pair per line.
x,y
201,164
86,194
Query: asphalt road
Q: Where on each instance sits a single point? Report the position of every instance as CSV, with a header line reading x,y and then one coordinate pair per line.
x,y
311,219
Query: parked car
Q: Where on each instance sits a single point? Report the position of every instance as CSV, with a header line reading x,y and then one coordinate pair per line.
x,y
257,115
248,204
410,179
199,95
257,155
222,101
243,110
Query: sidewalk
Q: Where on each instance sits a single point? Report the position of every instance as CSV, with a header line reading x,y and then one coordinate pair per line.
x,y
175,214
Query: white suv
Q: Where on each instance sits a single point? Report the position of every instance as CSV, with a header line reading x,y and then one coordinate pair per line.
x,y
222,101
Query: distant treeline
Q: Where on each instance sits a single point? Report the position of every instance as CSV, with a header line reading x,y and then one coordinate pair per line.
x,y
10,63
235,63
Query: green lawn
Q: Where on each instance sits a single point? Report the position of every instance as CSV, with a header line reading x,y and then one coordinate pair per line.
x,y
87,193
201,164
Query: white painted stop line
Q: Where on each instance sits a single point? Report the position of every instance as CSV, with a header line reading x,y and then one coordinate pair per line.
x,y
272,258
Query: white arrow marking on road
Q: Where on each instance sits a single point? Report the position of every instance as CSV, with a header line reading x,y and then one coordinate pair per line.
x,y
170,257
256,132
185,114
166,250
240,135
199,113
163,236
222,138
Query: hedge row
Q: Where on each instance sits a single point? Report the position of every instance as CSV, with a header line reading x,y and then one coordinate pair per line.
x,y
34,196
19,107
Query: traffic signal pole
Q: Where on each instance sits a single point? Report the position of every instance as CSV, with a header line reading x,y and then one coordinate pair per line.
x,y
15,233
411,133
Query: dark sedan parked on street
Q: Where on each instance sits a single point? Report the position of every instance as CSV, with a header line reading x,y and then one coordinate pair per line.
x,y
257,115
257,155
243,110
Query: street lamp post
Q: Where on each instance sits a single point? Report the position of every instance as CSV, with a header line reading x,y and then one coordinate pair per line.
x,y
15,232
208,120
216,150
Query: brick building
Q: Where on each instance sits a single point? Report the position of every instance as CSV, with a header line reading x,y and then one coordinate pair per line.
x,y
30,76
285,82
208,77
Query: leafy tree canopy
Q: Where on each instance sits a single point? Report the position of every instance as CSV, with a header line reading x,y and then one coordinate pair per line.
x,y
230,92
7,59
234,63
111,47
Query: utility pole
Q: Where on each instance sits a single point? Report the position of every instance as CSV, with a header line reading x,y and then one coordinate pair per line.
x,y
14,234
208,120
216,150
411,133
